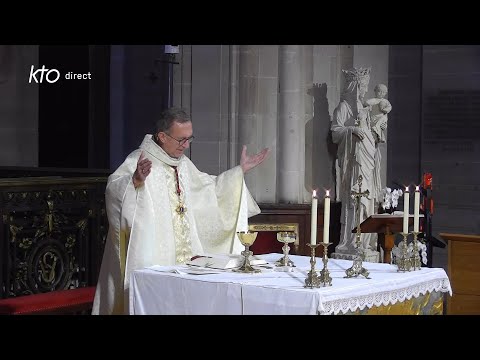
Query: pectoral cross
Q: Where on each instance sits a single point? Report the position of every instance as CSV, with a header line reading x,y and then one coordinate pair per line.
x,y
181,208
357,267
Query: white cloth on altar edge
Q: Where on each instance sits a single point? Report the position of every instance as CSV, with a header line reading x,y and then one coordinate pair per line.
x,y
275,292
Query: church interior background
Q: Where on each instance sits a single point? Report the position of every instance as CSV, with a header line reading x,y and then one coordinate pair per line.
x,y
276,96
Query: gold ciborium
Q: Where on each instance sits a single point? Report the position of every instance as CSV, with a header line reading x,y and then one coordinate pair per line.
x,y
286,237
247,239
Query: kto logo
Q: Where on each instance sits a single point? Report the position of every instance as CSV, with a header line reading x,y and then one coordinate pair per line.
x,y
51,75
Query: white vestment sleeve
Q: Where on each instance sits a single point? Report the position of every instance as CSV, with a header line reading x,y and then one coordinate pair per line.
x,y
120,203
222,205
248,208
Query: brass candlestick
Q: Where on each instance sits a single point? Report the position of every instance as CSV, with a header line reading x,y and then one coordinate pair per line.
x,y
312,280
415,259
325,277
247,239
357,267
404,263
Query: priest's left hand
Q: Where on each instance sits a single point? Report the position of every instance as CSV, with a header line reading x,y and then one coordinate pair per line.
x,y
248,162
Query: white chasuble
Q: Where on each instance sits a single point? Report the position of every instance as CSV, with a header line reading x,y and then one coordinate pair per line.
x,y
178,212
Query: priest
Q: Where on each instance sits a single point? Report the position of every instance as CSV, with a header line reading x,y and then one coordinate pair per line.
x,y
162,210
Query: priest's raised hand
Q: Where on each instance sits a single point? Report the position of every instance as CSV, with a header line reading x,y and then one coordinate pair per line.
x,y
144,166
248,162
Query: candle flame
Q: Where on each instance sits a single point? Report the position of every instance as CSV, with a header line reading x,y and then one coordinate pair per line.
x,y
417,188
314,193
406,189
327,192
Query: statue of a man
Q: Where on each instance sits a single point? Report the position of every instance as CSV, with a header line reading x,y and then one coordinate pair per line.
x,y
356,155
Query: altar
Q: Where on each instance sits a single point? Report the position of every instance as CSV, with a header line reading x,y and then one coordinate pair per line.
x,y
186,290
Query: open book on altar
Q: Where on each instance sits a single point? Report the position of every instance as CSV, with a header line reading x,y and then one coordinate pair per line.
x,y
223,261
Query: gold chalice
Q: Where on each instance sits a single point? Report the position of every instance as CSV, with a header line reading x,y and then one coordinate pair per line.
x,y
247,239
286,237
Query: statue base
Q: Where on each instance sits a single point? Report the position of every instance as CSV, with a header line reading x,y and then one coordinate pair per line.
x,y
370,256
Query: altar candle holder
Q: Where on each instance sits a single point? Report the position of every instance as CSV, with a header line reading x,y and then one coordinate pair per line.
x,y
357,267
312,280
404,263
415,259
325,277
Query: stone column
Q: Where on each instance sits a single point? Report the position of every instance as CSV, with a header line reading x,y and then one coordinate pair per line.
x,y
310,157
291,132
257,94
233,155
182,78
247,96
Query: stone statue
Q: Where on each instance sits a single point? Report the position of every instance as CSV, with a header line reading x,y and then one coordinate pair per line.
x,y
379,108
356,155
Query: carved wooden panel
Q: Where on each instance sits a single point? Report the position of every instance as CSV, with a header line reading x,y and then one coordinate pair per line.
x,y
52,233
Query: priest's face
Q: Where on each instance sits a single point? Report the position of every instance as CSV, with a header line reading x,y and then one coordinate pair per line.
x,y
176,139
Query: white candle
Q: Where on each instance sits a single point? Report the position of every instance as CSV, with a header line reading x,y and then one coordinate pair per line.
x,y
416,209
406,210
326,217
313,230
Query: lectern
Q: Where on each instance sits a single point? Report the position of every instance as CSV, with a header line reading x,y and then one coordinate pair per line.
x,y
385,225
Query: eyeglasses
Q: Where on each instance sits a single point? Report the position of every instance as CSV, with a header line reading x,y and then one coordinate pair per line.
x,y
182,141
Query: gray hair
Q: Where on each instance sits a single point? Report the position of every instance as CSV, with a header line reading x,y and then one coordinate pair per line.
x,y
168,117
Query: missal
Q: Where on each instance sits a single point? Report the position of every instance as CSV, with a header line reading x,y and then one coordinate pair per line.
x,y
223,261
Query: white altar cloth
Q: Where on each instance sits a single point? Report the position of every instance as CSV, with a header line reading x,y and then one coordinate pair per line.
x,y
171,290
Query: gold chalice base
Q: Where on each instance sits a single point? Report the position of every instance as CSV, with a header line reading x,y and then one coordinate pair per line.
x,y
247,239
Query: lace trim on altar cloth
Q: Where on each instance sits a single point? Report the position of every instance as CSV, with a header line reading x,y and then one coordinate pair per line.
x,y
386,298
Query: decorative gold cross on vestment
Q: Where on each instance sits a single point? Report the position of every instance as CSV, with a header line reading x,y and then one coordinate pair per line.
x,y
181,209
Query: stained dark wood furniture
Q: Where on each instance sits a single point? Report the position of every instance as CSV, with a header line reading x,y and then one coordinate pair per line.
x,y
464,273
282,217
